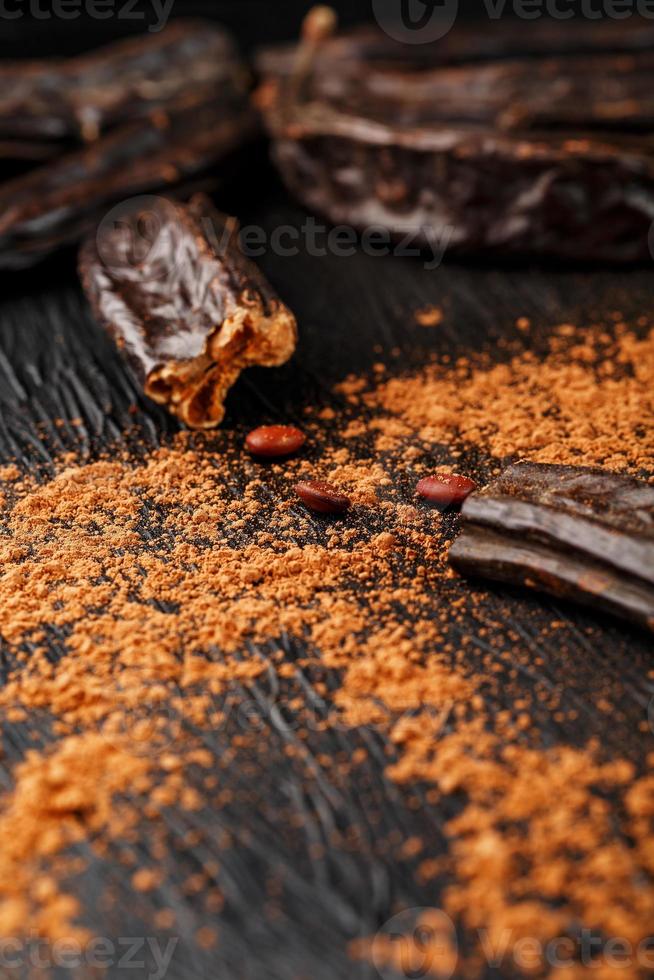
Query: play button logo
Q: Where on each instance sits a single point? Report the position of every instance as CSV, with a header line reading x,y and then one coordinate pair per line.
x,y
416,21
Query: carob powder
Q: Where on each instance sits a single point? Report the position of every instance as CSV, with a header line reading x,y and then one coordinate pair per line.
x,y
590,401
157,577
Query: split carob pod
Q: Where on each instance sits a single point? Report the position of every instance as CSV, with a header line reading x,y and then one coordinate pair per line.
x,y
578,533
194,136
188,310
539,146
81,97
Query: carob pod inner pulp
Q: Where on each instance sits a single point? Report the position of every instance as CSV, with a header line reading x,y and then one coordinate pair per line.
x,y
185,306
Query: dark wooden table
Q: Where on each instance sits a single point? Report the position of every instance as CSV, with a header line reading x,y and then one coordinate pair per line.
x,y
55,363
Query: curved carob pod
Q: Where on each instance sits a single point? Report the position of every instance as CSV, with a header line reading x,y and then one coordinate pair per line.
x,y
188,310
162,113
82,97
577,533
59,203
546,154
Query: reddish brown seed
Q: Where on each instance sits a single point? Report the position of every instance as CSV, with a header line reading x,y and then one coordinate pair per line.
x,y
322,497
273,441
445,489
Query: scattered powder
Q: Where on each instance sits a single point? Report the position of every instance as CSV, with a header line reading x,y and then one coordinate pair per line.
x,y
161,582
539,849
59,799
590,401
429,316
151,580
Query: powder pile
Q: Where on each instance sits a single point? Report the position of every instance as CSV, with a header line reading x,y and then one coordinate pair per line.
x,y
540,851
138,592
152,578
590,401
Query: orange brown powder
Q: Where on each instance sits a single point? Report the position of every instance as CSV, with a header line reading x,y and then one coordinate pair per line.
x,y
135,563
157,574
590,401
539,848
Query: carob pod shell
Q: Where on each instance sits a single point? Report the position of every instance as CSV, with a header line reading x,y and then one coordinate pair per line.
x,y
185,306
81,97
60,202
174,134
578,533
549,156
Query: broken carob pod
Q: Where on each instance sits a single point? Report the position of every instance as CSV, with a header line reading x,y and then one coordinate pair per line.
x,y
544,150
183,304
60,202
79,98
581,534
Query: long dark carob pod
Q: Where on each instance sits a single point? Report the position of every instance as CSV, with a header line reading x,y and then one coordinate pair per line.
x,y
545,149
60,202
82,97
578,533
177,112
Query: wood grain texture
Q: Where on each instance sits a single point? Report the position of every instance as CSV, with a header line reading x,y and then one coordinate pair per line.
x,y
63,387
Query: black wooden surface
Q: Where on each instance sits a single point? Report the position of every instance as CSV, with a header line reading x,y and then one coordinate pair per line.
x,y
55,363
353,312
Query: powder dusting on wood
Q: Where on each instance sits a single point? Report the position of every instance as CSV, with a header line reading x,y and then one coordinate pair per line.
x,y
161,576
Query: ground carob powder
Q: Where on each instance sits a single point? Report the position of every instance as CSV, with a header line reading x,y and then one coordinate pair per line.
x,y
155,577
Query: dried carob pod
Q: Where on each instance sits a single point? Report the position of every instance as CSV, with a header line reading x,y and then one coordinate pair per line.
x,y
578,533
81,97
60,202
545,149
184,305
172,112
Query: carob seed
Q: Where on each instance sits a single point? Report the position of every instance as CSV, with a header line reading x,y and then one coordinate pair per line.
x,y
273,441
445,489
324,498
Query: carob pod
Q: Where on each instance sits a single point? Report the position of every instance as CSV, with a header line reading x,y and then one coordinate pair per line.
x,y
81,97
548,154
578,533
467,44
184,305
60,202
